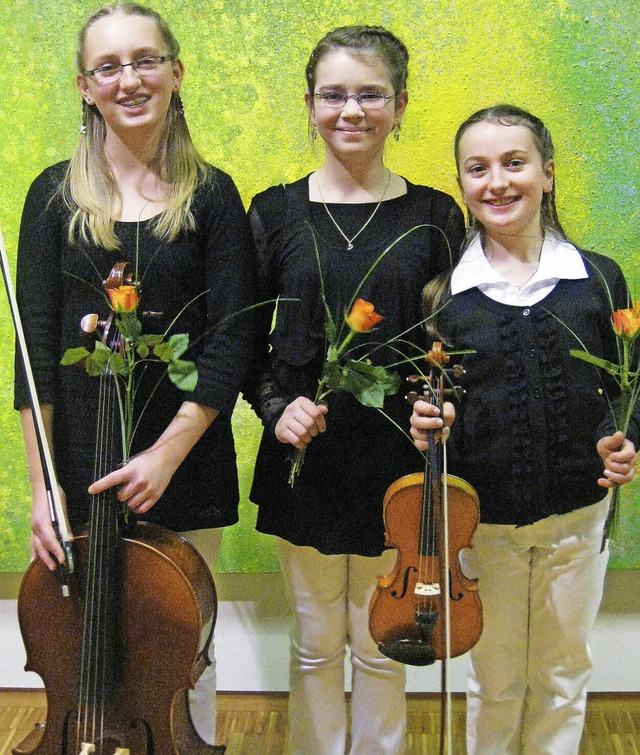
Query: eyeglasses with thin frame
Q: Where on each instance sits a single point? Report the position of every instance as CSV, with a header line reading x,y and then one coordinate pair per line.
x,y
366,100
109,73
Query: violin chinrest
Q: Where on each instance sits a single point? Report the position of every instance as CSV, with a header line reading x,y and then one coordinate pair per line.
x,y
410,651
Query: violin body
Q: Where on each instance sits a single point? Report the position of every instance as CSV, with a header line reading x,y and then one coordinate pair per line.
x,y
406,615
166,615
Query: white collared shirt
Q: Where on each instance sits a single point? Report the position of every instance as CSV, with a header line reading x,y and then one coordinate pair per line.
x,y
558,259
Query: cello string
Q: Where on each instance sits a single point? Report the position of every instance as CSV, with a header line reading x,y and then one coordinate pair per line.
x,y
107,510
88,619
97,597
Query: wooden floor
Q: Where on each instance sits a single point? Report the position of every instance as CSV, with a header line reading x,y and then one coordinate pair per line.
x,y
255,724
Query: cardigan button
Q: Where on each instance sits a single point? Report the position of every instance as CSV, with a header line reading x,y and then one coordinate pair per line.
x,y
526,312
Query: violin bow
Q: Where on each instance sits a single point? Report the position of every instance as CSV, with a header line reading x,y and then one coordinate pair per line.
x,y
57,511
438,360
446,741
446,690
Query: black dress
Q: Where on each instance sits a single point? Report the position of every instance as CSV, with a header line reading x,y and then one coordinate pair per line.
x,y
58,283
336,502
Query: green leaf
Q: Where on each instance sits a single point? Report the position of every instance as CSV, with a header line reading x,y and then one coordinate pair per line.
x,y
179,343
332,354
330,327
98,361
151,339
164,352
369,383
332,375
142,350
183,374
73,356
612,369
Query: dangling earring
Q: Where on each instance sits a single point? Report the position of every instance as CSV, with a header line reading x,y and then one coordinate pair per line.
x,y
85,108
396,133
314,132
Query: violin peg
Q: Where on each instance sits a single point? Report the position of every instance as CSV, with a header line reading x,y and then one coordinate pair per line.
x,y
89,323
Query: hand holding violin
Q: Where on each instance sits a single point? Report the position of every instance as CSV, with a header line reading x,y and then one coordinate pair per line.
x,y
426,418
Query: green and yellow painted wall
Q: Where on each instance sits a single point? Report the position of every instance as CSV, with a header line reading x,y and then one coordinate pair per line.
x,y
573,62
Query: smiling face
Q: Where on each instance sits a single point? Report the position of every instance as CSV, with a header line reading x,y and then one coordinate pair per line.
x,y
503,178
137,100
350,129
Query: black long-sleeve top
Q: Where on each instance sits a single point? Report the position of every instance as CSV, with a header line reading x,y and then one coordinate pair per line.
x,y
336,502
58,283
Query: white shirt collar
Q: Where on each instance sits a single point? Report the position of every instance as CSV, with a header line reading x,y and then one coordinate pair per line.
x,y
558,260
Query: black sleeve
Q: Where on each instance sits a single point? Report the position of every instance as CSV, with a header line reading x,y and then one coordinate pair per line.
x,y
262,390
43,230
230,278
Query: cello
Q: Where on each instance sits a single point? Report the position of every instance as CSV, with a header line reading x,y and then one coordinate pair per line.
x,y
427,609
130,635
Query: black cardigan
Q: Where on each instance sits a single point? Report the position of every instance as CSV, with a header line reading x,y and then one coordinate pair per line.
x,y
526,431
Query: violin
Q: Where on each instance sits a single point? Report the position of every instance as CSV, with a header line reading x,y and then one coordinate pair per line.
x,y
118,652
427,609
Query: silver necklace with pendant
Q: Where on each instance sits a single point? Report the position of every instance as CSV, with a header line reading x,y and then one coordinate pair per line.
x,y
368,220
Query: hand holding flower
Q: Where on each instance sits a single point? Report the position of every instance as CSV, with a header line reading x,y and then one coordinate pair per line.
x,y
301,421
626,373
619,457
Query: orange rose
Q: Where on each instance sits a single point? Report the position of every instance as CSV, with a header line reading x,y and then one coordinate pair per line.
x,y
363,316
437,355
123,299
626,322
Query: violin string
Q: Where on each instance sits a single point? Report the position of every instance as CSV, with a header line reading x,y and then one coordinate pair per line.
x,y
422,551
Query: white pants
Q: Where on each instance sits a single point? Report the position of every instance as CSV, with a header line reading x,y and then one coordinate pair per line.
x,y
202,699
330,598
541,587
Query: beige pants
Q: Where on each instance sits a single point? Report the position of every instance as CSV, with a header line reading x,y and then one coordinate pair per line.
x,y
541,587
330,598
